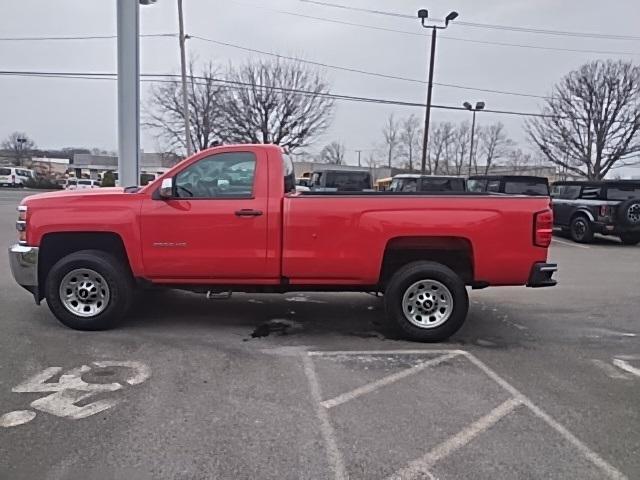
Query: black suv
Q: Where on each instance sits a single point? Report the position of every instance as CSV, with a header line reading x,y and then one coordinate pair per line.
x,y
509,184
609,207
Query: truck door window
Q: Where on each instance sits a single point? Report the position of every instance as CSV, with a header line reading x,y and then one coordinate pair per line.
x,y
591,193
474,185
493,186
623,192
569,192
224,175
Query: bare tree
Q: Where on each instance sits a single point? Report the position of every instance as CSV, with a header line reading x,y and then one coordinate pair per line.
x,y
519,161
461,139
165,113
391,132
333,153
493,144
441,137
18,145
410,135
276,101
592,119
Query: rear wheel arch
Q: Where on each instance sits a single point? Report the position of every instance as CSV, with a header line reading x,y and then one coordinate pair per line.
x,y
582,212
456,253
55,246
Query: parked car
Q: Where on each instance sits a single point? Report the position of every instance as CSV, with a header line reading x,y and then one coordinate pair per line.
x,y
195,229
340,181
15,177
82,184
410,182
609,207
509,184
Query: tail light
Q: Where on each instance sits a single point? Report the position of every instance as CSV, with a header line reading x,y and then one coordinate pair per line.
x,y
543,228
21,224
13,179
605,210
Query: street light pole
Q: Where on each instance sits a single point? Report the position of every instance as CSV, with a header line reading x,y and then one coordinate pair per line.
x,y
479,106
185,98
427,116
423,14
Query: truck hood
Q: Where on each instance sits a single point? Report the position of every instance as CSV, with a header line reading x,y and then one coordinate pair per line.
x,y
72,194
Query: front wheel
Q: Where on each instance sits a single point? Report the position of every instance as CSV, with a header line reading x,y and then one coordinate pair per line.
x,y
630,238
427,301
89,290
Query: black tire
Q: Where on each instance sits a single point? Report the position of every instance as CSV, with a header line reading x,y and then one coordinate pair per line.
x,y
120,287
580,229
629,212
630,238
408,276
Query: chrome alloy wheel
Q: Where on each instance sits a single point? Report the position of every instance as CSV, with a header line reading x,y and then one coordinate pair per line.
x,y
427,303
84,292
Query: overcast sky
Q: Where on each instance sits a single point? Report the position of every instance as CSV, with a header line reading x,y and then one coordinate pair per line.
x,y
63,112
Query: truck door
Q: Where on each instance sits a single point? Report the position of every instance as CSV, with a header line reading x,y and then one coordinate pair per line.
x,y
215,225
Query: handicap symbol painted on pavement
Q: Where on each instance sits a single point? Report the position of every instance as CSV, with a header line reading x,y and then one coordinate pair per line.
x,y
63,396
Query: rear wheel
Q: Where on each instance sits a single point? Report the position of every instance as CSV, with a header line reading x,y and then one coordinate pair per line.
x,y
427,301
630,238
89,290
580,230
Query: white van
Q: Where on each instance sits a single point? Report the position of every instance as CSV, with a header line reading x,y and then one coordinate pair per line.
x,y
82,184
14,176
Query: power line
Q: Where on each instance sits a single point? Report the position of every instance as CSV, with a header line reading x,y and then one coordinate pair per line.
x,y
416,34
79,37
162,78
565,33
363,72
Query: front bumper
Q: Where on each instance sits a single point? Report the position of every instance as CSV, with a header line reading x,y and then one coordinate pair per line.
x,y
24,266
541,275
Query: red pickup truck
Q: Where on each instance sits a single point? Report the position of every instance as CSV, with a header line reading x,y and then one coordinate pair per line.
x,y
229,219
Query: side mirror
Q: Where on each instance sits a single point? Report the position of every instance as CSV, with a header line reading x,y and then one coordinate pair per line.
x,y
166,189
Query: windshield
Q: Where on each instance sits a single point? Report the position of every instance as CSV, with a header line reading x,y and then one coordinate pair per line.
x,y
623,192
524,187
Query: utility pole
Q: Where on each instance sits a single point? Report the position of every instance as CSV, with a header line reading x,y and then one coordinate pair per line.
x,y
185,97
359,152
423,14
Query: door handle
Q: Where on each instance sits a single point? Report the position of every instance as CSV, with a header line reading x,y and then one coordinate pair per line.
x,y
248,212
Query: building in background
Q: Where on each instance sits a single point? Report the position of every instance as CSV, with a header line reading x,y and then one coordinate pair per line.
x,y
93,166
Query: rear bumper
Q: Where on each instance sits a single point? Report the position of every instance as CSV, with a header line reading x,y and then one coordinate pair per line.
x,y
24,266
542,275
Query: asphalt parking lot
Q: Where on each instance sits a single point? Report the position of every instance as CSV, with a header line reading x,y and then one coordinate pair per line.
x,y
537,384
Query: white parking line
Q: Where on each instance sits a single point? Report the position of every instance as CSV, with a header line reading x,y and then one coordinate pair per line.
x,y
373,386
333,452
589,454
609,370
421,466
418,468
624,365
562,242
333,353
